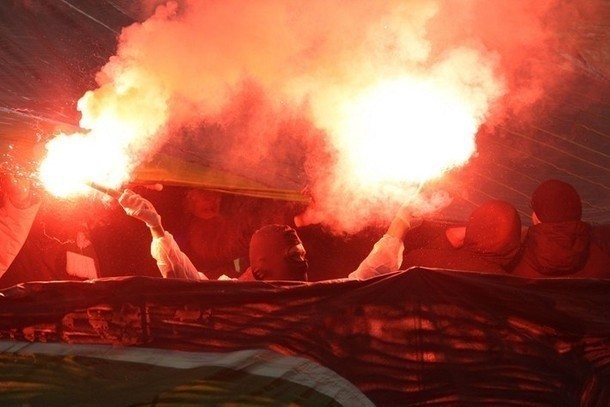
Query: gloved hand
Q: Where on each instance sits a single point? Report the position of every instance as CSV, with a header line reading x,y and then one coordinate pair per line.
x,y
414,210
139,208
406,213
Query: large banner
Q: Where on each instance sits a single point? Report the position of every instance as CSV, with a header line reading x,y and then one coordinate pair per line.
x,y
409,338
57,374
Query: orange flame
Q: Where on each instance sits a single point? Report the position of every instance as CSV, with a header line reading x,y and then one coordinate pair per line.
x,y
399,132
74,160
405,130
124,117
399,108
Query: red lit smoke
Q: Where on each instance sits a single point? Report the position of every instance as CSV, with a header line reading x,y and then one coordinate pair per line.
x,y
262,73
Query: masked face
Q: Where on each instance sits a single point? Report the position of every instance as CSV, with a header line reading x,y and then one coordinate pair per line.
x,y
277,253
296,257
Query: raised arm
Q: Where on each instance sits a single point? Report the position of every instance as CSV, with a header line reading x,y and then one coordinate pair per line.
x,y
171,261
386,256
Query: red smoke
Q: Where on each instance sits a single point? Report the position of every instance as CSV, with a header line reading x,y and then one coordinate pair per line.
x,y
359,72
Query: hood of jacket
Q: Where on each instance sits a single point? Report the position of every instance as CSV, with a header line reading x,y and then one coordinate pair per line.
x,y
558,248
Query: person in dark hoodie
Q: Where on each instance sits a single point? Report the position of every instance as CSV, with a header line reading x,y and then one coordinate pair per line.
x,y
560,244
275,251
488,243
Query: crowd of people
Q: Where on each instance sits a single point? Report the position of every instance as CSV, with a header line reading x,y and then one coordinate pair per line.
x,y
558,244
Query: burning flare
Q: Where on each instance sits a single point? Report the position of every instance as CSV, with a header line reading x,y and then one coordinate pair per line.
x,y
405,129
74,160
124,118
398,108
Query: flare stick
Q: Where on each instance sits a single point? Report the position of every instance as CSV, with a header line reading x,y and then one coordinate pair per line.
x,y
114,193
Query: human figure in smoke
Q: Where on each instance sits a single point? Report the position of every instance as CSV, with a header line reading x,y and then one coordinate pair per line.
x,y
27,252
203,227
60,244
214,228
488,243
560,244
207,235
276,251
19,200
43,239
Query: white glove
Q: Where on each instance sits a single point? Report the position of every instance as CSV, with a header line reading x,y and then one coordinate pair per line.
x,y
406,214
413,211
139,208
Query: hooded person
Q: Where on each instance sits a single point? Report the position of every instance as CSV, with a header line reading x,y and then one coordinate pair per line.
x,y
560,244
275,251
493,234
488,243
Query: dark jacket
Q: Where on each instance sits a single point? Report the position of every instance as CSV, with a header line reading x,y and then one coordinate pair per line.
x,y
439,253
562,249
491,241
451,259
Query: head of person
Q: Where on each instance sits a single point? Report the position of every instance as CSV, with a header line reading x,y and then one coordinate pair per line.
x,y
203,204
555,201
277,253
494,231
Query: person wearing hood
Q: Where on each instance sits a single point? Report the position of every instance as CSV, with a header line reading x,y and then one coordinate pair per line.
x,y
560,244
488,243
275,251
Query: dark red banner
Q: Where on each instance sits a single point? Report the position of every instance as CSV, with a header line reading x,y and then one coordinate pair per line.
x,y
410,338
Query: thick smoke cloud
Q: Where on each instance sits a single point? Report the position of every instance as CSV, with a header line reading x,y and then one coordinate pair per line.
x,y
259,70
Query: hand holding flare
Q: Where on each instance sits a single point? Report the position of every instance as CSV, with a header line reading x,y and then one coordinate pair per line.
x,y
411,213
135,206
138,207
113,193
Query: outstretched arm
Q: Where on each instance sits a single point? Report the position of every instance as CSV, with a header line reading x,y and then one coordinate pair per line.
x,y
386,256
172,262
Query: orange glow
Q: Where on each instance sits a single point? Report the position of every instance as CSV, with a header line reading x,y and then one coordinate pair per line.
x,y
406,130
124,119
396,105
72,160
